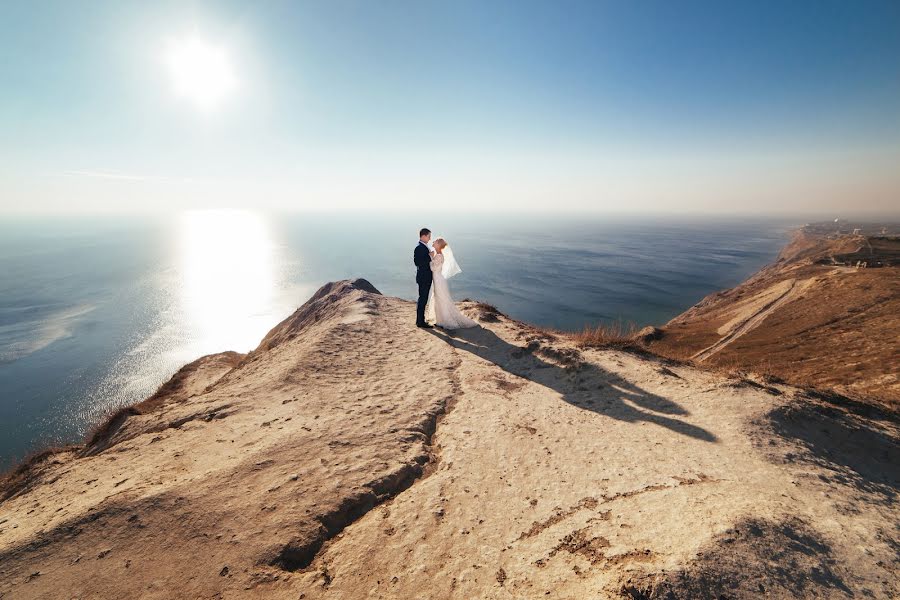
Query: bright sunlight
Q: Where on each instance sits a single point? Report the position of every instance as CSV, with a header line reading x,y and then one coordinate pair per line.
x,y
227,264
201,72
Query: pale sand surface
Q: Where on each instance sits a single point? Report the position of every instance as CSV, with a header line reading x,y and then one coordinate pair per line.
x,y
355,456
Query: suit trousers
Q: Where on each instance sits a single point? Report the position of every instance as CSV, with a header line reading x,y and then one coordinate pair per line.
x,y
424,288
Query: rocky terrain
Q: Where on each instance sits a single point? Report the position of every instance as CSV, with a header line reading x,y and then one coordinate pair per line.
x,y
352,455
826,314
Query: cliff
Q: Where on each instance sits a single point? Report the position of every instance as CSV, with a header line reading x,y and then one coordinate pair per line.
x,y
826,314
353,455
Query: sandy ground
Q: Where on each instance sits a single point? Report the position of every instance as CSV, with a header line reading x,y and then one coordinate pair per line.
x,y
355,456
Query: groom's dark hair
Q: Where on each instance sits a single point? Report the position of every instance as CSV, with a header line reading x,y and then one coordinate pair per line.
x,y
424,231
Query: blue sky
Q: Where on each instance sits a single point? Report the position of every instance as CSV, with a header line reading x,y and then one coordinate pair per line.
x,y
563,106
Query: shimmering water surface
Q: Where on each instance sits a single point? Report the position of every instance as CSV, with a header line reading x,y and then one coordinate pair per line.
x,y
96,313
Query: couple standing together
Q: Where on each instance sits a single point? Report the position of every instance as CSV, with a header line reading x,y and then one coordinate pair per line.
x,y
433,268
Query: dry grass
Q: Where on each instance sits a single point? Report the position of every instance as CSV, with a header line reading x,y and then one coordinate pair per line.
x,y
100,434
484,311
764,370
175,385
607,335
19,477
173,389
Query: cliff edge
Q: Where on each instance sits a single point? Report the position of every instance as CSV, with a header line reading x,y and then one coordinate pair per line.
x,y
353,455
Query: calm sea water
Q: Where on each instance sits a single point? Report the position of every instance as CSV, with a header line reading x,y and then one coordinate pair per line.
x,y
96,313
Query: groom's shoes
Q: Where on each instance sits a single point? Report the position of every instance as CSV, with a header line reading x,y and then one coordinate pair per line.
x,y
424,325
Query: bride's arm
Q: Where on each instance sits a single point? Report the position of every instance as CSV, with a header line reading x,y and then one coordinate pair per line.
x,y
437,262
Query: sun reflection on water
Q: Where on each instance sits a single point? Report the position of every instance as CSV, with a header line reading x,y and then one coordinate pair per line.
x,y
225,287
228,279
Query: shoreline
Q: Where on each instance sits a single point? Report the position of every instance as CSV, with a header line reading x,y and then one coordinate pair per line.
x,y
64,389
349,455
797,242
823,315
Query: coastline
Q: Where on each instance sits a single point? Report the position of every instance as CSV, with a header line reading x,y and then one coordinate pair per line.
x,y
540,272
823,315
801,249
349,454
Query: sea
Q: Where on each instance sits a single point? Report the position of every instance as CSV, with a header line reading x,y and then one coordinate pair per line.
x,y
95,313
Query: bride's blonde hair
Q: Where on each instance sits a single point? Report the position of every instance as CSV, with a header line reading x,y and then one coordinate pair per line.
x,y
440,243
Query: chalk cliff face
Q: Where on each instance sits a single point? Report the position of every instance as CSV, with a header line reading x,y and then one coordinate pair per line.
x,y
353,455
813,318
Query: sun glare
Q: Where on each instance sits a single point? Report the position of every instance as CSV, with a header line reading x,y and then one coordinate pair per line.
x,y
201,72
228,270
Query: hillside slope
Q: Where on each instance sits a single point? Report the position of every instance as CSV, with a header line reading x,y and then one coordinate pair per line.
x,y
811,319
352,455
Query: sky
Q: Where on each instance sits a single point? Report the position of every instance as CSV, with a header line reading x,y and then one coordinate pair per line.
x,y
558,106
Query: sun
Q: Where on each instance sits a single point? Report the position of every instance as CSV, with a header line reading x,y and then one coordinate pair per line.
x,y
201,72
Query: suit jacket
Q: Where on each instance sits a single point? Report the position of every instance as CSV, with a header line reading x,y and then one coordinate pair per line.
x,y
422,259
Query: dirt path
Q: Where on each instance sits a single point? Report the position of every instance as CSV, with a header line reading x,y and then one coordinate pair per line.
x,y
751,322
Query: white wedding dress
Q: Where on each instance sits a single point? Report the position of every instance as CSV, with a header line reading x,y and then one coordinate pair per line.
x,y
441,310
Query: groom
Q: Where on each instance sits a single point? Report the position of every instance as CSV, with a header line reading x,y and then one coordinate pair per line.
x,y
422,258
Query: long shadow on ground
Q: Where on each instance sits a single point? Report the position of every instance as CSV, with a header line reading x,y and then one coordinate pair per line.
x,y
755,559
580,383
857,444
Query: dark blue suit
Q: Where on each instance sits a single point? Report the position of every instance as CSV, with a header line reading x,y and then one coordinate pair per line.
x,y
422,259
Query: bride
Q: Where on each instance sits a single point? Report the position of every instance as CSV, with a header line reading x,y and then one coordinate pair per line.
x,y
441,309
